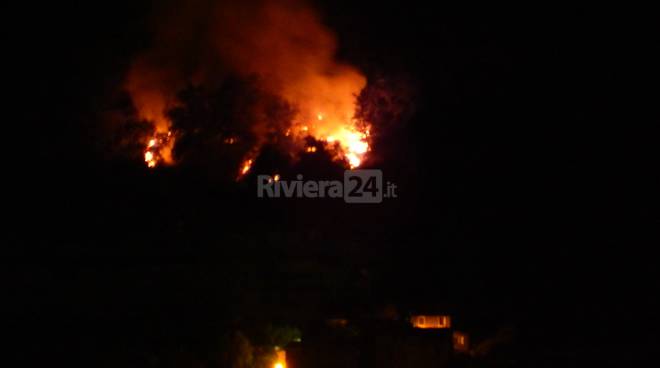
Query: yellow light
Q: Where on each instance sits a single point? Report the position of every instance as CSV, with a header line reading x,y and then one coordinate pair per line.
x,y
319,116
152,142
148,156
353,160
246,167
280,358
431,321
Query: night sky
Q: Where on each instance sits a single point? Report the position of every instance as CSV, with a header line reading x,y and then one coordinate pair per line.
x,y
527,175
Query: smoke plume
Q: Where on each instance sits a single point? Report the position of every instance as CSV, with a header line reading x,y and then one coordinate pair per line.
x,y
283,45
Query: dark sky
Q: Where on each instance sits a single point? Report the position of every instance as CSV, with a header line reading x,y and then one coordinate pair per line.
x,y
527,178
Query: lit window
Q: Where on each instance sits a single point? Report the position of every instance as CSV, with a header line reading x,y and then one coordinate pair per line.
x,y
460,342
431,321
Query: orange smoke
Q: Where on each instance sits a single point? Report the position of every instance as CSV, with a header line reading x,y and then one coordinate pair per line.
x,y
285,44
152,96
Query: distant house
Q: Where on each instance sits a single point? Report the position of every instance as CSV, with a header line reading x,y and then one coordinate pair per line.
x,y
460,341
423,340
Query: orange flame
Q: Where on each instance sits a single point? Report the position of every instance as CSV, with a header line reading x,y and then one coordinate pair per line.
x,y
245,168
284,43
294,53
159,149
347,140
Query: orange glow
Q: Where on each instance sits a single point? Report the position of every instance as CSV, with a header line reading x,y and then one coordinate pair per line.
x,y
152,96
285,44
273,178
159,149
353,160
351,144
245,168
296,59
280,360
348,140
337,322
460,341
431,321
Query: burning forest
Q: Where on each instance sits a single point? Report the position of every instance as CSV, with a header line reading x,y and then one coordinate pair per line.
x,y
188,193
247,75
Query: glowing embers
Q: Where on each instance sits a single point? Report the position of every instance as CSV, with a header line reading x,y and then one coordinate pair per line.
x,y
245,167
159,149
274,178
431,321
